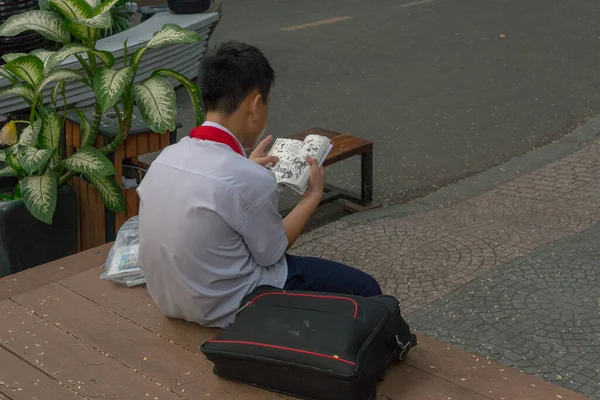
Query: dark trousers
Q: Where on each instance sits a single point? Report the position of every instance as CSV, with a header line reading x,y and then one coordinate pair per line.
x,y
319,275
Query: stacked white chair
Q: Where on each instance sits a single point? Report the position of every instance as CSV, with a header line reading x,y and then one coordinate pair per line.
x,y
183,58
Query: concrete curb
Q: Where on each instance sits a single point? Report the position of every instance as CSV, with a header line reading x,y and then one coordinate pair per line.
x,y
489,179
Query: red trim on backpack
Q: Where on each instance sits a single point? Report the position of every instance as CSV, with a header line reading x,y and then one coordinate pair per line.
x,y
206,132
272,346
309,295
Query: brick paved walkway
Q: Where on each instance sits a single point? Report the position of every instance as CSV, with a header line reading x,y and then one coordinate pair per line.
x,y
512,274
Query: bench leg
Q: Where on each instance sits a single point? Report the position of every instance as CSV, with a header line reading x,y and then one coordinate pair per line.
x,y
366,178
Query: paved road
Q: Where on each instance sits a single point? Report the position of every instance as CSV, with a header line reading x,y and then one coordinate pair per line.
x,y
445,88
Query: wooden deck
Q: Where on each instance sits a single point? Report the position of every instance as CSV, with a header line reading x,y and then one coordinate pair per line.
x,y
66,334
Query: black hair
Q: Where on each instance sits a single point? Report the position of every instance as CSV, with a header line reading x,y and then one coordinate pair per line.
x,y
229,75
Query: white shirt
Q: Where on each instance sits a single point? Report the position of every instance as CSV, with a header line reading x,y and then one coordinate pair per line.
x,y
210,231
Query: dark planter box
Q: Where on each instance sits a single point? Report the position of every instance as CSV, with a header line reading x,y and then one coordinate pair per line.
x,y
188,6
26,41
26,242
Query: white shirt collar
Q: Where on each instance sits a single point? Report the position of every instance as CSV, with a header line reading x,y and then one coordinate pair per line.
x,y
221,127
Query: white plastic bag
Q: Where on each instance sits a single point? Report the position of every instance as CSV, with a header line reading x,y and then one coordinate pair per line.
x,y
122,265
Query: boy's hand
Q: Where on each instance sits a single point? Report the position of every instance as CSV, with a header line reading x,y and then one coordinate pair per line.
x,y
316,184
259,156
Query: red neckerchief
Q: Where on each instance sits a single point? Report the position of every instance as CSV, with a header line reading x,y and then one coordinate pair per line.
x,y
206,132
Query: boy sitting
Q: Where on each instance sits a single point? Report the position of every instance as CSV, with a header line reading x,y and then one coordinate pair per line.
x,y
210,231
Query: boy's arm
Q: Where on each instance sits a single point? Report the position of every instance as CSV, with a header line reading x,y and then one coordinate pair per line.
x,y
263,231
295,221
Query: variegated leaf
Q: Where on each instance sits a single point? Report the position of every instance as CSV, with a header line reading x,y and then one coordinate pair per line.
x,y
172,34
105,7
39,195
110,193
11,56
73,9
106,57
8,134
101,21
192,89
30,69
85,130
7,172
12,159
157,103
59,75
4,73
2,156
42,54
82,32
54,95
21,90
137,56
46,23
58,57
30,134
93,3
109,85
89,160
32,159
51,128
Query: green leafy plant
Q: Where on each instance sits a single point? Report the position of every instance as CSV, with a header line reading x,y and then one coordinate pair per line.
x,y
121,16
37,159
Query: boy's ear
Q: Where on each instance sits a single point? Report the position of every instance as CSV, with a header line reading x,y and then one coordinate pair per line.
x,y
255,106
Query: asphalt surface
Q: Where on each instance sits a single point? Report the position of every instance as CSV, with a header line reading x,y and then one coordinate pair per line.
x,y
444,88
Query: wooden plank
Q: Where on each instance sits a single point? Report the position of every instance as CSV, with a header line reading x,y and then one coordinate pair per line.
x,y
402,382
481,375
153,142
85,370
118,157
93,220
142,143
22,381
33,278
120,219
118,162
84,216
68,139
344,146
102,220
165,139
131,202
315,131
75,185
131,149
97,222
159,359
137,305
76,136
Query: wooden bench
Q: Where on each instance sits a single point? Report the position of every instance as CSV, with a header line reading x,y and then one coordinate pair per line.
x,y
345,147
65,334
